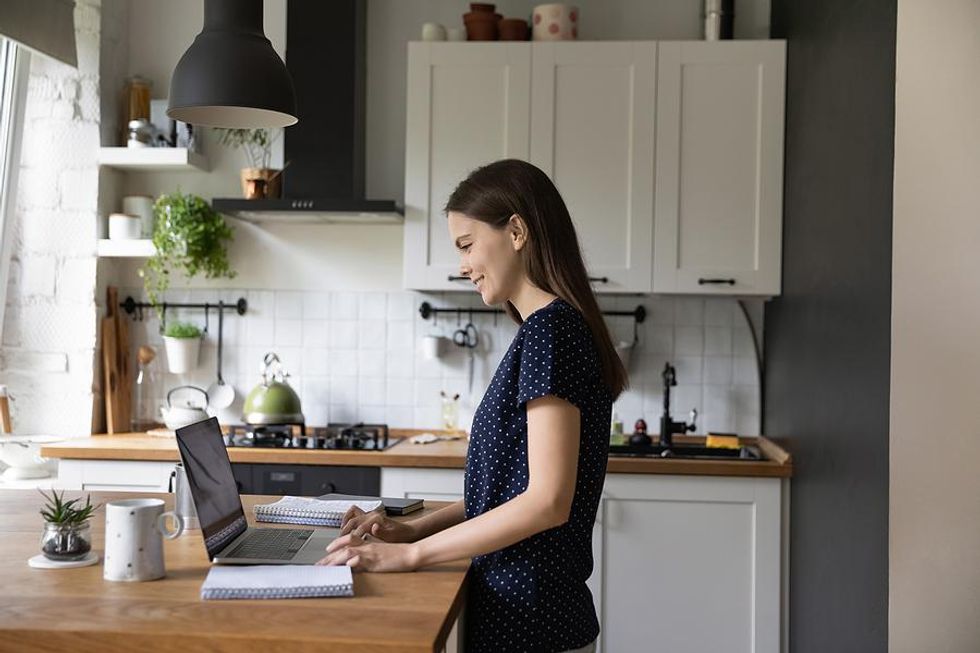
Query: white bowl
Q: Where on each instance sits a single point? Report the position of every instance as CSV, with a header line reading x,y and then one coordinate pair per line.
x,y
22,453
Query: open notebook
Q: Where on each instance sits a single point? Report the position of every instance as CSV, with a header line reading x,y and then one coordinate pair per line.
x,y
277,582
314,512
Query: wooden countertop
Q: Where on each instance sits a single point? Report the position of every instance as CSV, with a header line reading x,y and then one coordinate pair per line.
x,y
445,454
76,610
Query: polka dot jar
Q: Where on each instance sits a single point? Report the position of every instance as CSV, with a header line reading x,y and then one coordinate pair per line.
x,y
555,22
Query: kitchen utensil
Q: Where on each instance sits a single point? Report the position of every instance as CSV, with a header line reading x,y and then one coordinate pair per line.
x,y
469,338
176,417
273,401
123,226
144,356
134,532
183,501
115,364
221,394
555,22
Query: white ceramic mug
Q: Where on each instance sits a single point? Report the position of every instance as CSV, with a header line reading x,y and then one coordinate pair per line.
x,y
134,532
433,346
455,34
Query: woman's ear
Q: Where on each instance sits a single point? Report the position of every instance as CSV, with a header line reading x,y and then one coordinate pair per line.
x,y
518,232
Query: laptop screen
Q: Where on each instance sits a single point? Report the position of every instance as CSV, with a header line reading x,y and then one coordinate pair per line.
x,y
212,484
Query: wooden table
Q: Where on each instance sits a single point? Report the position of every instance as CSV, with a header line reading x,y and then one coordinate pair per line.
x,y
75,610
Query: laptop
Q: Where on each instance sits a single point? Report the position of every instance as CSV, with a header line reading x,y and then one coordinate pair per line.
x,y
227,536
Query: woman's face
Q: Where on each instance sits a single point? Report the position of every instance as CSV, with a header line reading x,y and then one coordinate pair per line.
x,y
490,257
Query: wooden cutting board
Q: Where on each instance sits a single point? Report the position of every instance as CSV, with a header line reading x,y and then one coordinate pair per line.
x,y
115,366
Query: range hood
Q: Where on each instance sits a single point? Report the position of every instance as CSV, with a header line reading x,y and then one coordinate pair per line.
x,y
324,180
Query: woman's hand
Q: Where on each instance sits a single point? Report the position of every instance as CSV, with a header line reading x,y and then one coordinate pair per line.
x,y
357,552
358,523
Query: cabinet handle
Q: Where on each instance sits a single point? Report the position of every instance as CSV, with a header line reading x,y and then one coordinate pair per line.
x,y
599,279
702,281
455,278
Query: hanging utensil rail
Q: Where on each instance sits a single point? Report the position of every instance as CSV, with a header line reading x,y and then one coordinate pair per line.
x,y
427,310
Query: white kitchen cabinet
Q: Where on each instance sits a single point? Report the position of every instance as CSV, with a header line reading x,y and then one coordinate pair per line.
x,y
468,105
689,564
593,108
422,483
719,167
114,475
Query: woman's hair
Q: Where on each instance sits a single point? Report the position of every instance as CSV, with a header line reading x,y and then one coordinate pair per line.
x,y
495,192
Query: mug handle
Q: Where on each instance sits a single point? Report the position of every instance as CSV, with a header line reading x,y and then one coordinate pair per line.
x,y
162,525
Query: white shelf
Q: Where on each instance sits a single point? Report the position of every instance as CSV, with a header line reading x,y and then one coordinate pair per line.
x,y
152,159
126,248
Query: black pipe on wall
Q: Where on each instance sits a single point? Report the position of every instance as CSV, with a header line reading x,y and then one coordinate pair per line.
x,y
827,338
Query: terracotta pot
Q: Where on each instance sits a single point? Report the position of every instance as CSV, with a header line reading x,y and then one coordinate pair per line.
x,y
481,26
272,187
512,29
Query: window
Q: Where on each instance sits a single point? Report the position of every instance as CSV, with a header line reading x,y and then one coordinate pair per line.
x,y
13,92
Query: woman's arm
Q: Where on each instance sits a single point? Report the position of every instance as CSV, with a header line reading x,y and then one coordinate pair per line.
x,y
438,521
553,433
553,427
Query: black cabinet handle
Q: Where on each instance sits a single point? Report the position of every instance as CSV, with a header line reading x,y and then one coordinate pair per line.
x,y
702,281
599,279
455,278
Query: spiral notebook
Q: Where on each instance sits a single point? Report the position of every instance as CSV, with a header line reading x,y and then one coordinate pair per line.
x,y
277,582
313,512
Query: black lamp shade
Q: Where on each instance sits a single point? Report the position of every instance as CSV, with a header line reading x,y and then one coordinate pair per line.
x,y
231,76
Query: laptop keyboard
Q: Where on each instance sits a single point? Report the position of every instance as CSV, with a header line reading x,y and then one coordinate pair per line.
x,y
272,544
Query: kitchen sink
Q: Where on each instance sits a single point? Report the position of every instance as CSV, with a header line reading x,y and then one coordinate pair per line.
x,y
686,451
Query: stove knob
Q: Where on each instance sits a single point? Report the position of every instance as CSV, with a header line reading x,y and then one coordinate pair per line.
x,y
339,442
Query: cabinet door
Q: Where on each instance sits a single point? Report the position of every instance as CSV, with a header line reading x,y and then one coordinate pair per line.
x,y
690,564
592,132
468,105
718,220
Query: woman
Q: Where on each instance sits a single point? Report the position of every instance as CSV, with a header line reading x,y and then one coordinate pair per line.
x,y
539,441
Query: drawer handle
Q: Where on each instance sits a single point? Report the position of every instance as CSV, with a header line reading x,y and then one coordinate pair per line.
x,y
599,279
455,278
703,281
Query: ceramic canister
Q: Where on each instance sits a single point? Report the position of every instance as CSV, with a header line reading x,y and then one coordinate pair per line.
x,y
141,205
555,22
134,532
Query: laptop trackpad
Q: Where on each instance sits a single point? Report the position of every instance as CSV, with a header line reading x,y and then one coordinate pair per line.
x,y
315,547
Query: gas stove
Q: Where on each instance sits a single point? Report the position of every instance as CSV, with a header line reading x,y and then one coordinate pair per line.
x,y
355,437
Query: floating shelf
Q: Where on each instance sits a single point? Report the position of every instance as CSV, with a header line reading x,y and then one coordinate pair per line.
x,y
126,248
153,159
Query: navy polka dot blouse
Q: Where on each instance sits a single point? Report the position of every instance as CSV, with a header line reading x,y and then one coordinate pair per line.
x,y
532,596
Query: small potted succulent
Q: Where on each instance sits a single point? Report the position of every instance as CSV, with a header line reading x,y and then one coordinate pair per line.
x,y
67,535
183,343
258,180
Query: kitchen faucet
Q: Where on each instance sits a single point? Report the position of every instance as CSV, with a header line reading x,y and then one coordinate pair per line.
x,y
667,424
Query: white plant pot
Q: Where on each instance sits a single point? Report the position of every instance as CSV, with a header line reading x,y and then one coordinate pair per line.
x,y
181,353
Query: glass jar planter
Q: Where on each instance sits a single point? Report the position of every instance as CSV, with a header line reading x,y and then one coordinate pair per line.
x,y
65,542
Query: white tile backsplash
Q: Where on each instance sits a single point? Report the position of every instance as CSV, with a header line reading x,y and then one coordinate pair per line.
x,y
357,356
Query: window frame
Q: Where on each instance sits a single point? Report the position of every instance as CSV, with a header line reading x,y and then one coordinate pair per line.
x,y
14,73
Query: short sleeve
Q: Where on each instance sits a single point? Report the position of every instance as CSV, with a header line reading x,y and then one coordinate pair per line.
x,y
553,358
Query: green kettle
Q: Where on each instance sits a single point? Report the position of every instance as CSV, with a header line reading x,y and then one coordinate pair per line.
x,y
273,401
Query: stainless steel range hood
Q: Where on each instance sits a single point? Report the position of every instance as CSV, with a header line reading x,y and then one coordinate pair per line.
x,y
324,180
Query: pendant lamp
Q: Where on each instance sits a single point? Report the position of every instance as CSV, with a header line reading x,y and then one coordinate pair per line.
x,y
231,76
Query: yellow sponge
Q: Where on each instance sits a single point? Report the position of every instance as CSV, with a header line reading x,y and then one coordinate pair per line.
x,y
722,440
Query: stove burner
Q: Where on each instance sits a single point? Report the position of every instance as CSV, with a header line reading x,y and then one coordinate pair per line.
x,y
360,436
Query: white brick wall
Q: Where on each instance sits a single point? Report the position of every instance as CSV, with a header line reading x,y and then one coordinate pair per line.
x,y
49,338
356,355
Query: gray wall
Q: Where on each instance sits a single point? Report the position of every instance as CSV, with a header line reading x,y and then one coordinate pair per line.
x,y
828,335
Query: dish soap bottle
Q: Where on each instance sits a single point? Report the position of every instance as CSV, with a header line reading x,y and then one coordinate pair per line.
x,y
616,431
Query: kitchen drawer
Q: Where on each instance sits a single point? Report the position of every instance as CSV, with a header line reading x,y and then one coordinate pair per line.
x,y
307,480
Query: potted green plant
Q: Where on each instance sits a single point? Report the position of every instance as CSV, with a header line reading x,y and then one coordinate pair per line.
x,y
189,236
183,343
67,535
258,180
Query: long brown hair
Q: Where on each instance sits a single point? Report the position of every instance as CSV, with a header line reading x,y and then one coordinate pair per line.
x,y
495,192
